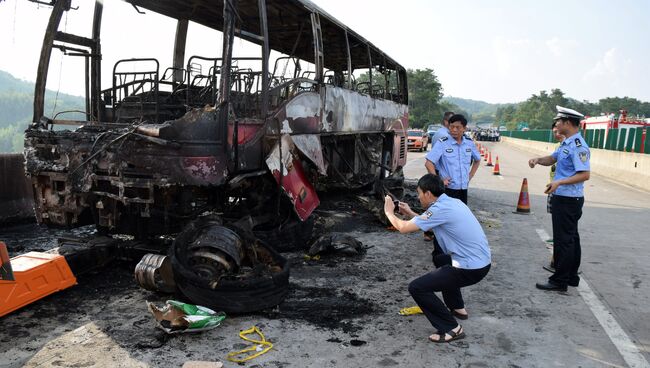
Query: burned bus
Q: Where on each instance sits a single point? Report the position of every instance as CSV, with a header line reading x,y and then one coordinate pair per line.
x,y
315,106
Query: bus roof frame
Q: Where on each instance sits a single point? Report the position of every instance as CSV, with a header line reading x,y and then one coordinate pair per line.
x,y
284,18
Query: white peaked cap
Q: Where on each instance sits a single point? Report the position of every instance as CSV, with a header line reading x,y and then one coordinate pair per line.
x,y
563,113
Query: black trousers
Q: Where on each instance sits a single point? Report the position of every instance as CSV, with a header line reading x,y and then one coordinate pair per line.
x,y
566,240
448,280
457,193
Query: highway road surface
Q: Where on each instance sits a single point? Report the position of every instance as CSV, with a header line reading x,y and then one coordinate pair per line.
x,y
342,311
615,237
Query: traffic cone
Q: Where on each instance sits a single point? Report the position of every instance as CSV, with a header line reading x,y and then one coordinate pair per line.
x,y
496,167
485,157
523,205
489,161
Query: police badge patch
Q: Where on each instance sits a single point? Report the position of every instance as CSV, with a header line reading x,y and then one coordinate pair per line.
x,y
428,214
578,143
468,150
584,156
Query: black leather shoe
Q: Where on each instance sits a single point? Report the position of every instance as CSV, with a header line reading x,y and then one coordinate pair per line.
x,y
550,286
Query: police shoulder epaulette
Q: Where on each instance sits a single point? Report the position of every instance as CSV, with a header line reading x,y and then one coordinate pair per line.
x,y
468,138
578,142
442,139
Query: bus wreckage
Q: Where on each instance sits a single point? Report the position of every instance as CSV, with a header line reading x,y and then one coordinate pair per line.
x,y
249,141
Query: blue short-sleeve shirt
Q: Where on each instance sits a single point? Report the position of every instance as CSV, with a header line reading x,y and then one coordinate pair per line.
x,y
572,156
442,132
458,232
453,160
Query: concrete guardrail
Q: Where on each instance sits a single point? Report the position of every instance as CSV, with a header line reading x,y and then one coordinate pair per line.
x,y
16,196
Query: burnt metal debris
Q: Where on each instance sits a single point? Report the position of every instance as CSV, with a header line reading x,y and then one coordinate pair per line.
x,y
220,132
337,243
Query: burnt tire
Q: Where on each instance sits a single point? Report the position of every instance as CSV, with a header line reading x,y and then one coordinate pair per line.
x,y
290,236
234,297
231,296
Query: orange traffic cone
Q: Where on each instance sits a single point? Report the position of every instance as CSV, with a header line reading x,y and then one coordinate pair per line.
x,y
496,167
489,161
523,206
486,155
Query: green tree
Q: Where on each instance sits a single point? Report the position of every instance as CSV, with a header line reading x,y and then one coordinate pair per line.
x,y
425,94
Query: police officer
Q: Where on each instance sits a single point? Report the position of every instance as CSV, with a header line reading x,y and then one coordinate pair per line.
x,y
465,246
567,187
456,158
444,130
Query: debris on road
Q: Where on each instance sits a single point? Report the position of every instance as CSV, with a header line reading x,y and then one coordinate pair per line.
x,y
336,243
409,311
260,346
177,317
228,269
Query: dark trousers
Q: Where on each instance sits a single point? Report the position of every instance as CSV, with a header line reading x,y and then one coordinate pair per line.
x,y
566,240
457,193
448,280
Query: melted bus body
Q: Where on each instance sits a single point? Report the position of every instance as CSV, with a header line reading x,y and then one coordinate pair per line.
x,y
237,135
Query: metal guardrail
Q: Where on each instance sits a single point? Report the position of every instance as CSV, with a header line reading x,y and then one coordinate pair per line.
x,y
624,140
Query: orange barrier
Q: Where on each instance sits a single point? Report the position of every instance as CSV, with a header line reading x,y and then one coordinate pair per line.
x,y
489,161
496,170
523,205
35,276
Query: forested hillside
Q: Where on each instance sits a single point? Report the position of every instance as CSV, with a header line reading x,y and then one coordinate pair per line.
x,y
478,111
16,106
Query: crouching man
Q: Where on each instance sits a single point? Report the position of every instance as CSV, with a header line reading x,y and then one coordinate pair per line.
x,y
466,259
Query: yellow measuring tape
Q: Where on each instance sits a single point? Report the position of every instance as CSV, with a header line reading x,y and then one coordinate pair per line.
x,y
257,344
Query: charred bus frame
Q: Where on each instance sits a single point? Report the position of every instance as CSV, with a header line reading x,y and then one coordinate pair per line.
x,y
156,151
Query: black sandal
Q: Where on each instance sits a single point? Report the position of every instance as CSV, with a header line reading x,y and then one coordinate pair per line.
x,y
454,336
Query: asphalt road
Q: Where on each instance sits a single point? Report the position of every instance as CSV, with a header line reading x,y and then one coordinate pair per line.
x,y
342,311
615,238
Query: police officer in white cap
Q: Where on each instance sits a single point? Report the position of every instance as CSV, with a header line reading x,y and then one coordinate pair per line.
x,y
567,187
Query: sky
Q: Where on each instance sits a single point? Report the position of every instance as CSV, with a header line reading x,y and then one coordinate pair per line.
x,y
497,51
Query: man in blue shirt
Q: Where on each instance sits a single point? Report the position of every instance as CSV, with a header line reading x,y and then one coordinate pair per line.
x,y
456,159
444,131
465,260
567,187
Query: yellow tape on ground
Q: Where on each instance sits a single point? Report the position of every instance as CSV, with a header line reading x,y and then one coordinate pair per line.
x,y
256,345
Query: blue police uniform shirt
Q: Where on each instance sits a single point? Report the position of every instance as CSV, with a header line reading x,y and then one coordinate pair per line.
x,y
458,232
454,160
442,132
572,156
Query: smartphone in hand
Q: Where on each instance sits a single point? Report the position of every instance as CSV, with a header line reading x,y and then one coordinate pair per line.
x,y
396,203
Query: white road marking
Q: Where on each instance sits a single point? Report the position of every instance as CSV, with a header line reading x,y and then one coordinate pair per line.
x,y
543,234
500,177
628,350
